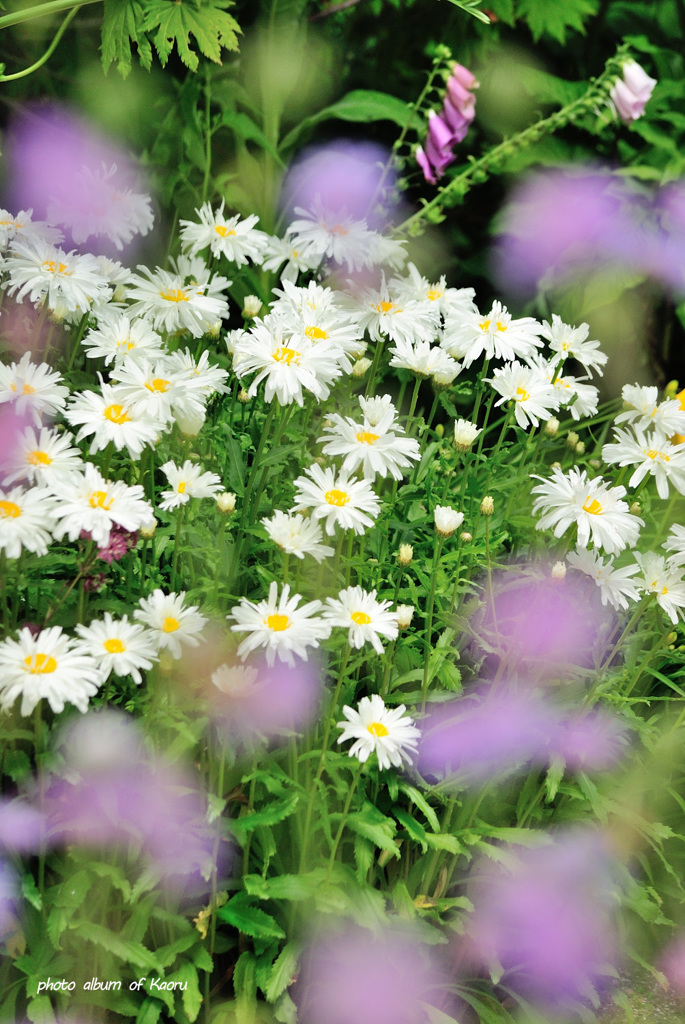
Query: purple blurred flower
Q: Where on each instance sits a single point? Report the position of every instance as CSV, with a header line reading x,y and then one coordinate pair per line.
x,y
497,729
345,175
120,542
60,168
8,898
113,795
449,127
548,920
672,964
252,702
12,427
22,827
356,977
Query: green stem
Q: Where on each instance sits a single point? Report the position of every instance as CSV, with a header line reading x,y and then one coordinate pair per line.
x,y
177,546
343,821
48,53
439,541
41,11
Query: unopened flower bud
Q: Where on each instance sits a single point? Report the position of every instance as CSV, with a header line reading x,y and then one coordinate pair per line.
x,y
487,505
190,420
555,465
243,396
361,367
447,520
406,553
572,439
465,433
551,427
465,537
404,613
580,448
215,329
558,573
440,429
166,663
595,463
225,502
671,389
148,531
671,638
251,306
635,508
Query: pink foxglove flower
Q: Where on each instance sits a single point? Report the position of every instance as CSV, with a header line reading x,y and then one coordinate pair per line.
x,y
629,94
448,127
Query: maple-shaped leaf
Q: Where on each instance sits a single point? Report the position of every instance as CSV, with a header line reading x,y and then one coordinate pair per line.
x,y
175,21
554,17
122,25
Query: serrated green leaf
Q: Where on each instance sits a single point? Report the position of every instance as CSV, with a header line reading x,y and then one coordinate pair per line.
x,y
245,985
284,887
554,19
555,774
443,842
175,23
149,1012
125,949
39,1010
372,825
415,830
29,891
201,958
250,920
271,814
115,875
122,25
191,996
282,971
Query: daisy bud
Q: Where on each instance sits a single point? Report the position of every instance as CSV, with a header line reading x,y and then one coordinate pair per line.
x,y
465,433
558,573
671,389
572,439
635,508
555,465
671,638
580,448
225,502
243,396
405,613
596,463
447,520
406,554
440,430
360,367
215,329
487,505
551,427
148,531
190,421
465,537
251,306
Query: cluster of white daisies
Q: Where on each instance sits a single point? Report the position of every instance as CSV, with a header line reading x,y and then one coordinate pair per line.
x,y
310,337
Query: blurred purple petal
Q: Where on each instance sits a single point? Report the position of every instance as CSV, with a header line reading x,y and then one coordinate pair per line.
x,y
548,921
22,827
8,898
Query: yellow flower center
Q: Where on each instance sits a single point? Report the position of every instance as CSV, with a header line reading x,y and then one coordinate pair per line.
x,y
435,293
222,230
592,506
114,646
287,355
99,499
158,384
174,295
315,333
366,438
26,389
377,729
361,618
38,458
654,454
500,326
9,510
681,398
40,664
170,624
388,307
126,343
484,325
338,498
56,268
522,395
116,414
181,487
277,622
664,590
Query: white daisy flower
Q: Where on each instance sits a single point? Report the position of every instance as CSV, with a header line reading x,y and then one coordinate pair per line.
x,y
23,226
116,275
534,397
92,504
119,337
25,521
444,300
109,417
48,666
652,454
204,376
324,234
495,335
377,408
171,304
391,734
287,364
426,360
279,626
171,623
594,506
40,457
297,535
675,543
384,316
236,239
615,585
572,341
235,680
330,326
663,580
188,481
447,520
379,449
158,390
283,252
64,281
337,499
100,205
366,618
465,433
33,387
118,646
294,301
387,252
645,411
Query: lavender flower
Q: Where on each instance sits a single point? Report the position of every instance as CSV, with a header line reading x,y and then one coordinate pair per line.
x,y
449,127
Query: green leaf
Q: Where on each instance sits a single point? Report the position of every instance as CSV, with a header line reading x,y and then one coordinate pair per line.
x,y
149,1012
284,887
554,19
177,21
250,920
122,25
201,958
40,1011
192,999
443,842
29,891
271,814
245,985
115,875
372,825
282,971
125,949
420,801
555,774
469,7
415,830
360,105
247,129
